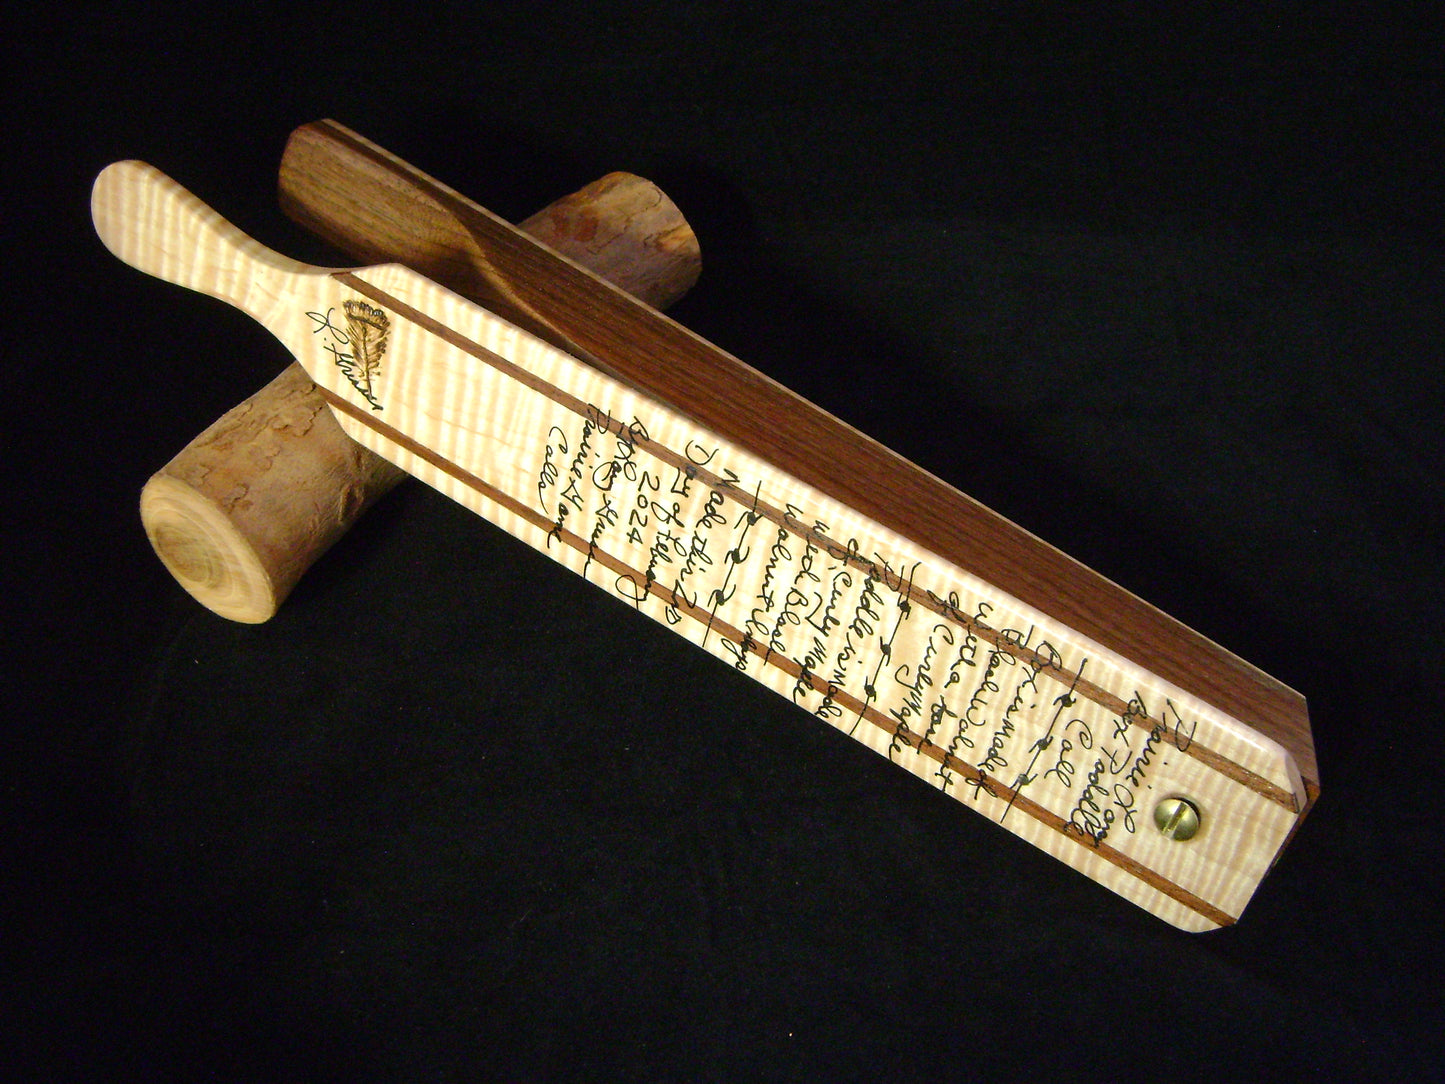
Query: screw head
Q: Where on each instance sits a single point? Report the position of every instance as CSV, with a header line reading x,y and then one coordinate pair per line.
x,y
1177,818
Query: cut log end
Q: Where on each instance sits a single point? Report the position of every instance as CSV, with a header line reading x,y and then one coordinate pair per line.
x,y
205,550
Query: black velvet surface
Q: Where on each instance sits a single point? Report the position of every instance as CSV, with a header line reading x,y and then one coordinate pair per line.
x,y
1164,289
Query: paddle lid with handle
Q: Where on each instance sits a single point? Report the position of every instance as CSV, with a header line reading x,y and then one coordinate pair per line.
x,y
1146,786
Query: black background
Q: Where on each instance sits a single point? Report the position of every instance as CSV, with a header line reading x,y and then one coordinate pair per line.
x,y
1164,289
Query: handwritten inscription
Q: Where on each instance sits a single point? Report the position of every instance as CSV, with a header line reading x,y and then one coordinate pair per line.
x,y
853,634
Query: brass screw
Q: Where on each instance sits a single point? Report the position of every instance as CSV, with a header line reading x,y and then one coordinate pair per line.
x,y
1177,818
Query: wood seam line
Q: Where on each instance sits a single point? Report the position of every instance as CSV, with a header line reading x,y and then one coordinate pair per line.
x,y
971,775
894,580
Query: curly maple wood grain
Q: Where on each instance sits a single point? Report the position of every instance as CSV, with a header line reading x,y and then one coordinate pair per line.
x,y
249,505
497,418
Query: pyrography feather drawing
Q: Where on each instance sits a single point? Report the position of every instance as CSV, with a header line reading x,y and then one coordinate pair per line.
x,y
366,326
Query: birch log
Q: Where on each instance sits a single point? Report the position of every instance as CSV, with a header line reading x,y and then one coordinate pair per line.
x,y
249,505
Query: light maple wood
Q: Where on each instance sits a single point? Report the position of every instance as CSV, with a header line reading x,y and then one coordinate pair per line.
x,y
242,512
1065,740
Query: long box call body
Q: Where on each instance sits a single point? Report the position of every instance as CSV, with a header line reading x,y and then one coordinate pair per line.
x,y
776,537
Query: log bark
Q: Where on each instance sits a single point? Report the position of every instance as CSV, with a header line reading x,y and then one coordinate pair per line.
x,y
249,505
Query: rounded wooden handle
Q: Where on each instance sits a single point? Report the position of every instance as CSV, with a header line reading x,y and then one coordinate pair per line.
x,y
150,222
250,504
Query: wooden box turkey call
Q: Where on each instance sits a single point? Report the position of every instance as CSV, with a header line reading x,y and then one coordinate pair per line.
x,y
809,557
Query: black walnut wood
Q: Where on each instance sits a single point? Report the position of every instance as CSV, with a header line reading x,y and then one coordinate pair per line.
x,y
523,282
